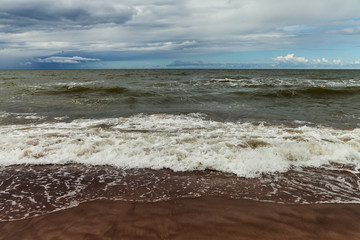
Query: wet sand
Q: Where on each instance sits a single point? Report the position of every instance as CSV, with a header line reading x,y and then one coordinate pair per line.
x,y
191,218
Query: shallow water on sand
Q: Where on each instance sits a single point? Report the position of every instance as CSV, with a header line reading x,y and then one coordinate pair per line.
x,y
34,190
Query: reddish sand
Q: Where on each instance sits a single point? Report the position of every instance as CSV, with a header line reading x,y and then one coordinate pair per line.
x,y
199,218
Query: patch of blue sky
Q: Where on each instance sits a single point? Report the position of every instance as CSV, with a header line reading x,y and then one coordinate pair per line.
x,y
300,28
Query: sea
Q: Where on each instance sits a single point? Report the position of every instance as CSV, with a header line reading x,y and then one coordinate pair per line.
x,y
73,136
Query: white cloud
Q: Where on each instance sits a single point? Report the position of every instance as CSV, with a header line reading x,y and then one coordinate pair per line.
x,y
70,60
349,31
322,60
290,58
291,61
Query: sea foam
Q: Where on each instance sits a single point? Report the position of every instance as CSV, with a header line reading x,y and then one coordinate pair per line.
x,y
179,142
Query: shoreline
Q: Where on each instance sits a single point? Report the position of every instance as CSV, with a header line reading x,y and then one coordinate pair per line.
x,y
191,218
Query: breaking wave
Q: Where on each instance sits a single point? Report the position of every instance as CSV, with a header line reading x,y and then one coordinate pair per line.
x,y
179,142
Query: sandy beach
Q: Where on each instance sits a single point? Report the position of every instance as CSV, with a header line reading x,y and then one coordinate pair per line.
x,y
180,154
195,218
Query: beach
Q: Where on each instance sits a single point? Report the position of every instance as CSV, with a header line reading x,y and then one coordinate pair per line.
x,y
180,154
179,120
191,218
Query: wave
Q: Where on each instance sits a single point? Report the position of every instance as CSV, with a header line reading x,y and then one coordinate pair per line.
x,y
302,92
318,91
84,90
331,91
179,142
257,90
279,82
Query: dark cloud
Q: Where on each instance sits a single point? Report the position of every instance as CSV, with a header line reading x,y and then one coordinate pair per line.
x,y
16,16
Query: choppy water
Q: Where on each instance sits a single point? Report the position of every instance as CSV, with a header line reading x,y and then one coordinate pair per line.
x,y
289,136
313,97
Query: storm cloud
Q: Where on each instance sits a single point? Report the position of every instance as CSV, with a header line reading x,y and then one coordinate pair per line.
x,y
55,15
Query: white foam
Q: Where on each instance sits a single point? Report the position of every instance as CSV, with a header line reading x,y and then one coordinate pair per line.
x,y
276,82
75,84
28,116
178,142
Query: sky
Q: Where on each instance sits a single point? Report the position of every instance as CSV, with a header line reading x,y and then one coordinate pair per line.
x,y
69,34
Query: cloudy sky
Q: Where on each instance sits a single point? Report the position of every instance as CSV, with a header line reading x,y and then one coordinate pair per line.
x,y
179,34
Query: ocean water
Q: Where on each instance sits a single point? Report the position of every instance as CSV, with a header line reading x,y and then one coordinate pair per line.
x,y
287,136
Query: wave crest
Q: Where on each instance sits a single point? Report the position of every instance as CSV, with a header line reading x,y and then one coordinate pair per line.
x,y
179,142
